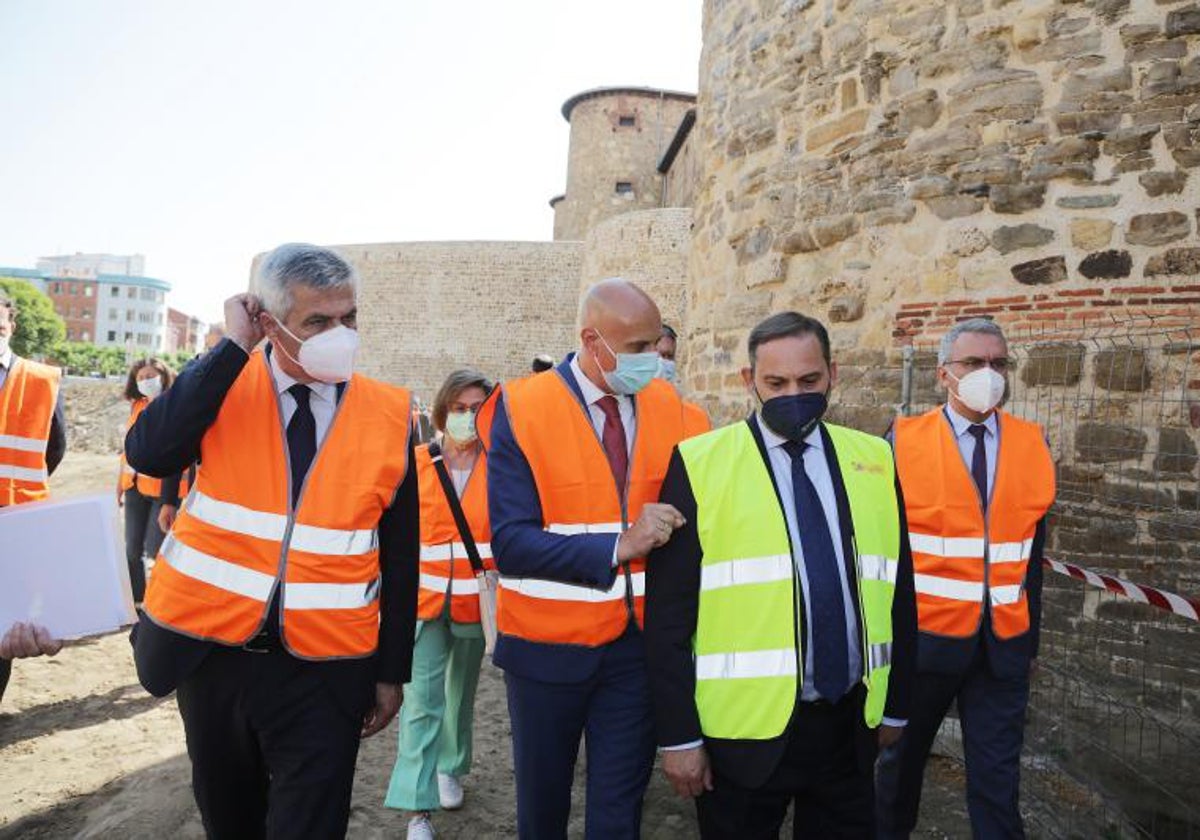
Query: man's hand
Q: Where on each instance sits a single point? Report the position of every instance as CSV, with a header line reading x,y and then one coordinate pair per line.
x,y
241,320
653,528
24,640
387,703
688,771
166,517
889,735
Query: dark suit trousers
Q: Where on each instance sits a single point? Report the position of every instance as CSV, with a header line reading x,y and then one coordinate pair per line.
x,y
611,709
821,772
991,710
142,537
273,742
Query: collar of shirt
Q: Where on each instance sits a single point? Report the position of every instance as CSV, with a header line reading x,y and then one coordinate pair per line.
x,y
961,424
321,390
6,361
774,441
591,394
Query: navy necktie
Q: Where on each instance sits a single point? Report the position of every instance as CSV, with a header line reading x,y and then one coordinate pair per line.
x,y
831,656
301,438
979,470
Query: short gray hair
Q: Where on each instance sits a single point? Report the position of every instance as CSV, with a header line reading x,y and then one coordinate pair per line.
x,y
298,263
983,326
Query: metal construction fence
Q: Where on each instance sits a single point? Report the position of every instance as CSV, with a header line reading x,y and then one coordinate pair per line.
x,y
1113,732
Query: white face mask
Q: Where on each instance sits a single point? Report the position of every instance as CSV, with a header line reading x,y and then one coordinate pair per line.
x,y
327,356
149,388
980,390
460,425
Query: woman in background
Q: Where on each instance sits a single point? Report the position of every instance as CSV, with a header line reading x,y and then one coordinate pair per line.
x,y
139,494
435,721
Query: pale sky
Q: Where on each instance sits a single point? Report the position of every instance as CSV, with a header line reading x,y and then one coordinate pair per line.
x,y
199,134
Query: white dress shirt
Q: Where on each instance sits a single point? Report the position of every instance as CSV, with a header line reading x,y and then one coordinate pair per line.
x,y
593,395
323,401
817,467
6,363
966,441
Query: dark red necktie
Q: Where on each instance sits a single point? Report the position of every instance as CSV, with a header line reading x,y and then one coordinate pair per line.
x,y
614,441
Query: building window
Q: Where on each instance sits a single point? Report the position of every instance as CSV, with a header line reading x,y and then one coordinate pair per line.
x,y
131,293
57,288
70,335
625,188
149,294
87,291
158,319
129,336
144,339
115,291
112,336
86,336
113,314
627,121
144,317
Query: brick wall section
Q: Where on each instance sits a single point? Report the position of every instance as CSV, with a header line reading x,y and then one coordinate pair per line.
x,y
427,308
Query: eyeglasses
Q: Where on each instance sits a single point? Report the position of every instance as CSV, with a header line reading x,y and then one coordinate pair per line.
x,y
1000,364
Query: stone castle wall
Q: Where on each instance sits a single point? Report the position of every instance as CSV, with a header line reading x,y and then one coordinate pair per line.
x,y
427,308
603,152
650,248
1017,159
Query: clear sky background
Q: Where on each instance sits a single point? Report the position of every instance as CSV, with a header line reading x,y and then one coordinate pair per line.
x,y
199,134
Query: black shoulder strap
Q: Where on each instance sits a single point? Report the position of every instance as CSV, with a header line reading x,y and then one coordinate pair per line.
x,y
460,518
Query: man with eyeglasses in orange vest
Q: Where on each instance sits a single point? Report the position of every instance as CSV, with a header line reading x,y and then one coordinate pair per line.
x,y
977,484
283,603
576,457
33,441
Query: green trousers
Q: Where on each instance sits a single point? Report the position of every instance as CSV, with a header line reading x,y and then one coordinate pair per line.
x,y
439,708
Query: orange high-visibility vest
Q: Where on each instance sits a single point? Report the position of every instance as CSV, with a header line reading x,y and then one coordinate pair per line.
x,y
146,485
579,496
27,402
445,566
960,555
238,537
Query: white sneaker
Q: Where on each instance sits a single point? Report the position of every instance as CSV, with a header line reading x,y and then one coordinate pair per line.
x,y
419,827
450,792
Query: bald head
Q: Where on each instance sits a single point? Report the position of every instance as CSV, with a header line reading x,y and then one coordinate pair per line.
x,y
615,316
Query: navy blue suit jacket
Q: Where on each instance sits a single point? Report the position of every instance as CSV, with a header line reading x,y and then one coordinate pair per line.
x,y
523,548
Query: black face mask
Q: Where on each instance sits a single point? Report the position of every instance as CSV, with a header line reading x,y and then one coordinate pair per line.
x,y
794,416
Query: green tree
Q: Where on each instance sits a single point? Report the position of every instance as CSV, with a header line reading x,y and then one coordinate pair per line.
x,y
38,326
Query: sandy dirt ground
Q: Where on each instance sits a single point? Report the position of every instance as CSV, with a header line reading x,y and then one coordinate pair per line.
x,y
86,753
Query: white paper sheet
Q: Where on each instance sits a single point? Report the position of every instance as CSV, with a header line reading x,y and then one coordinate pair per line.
x,y
61,567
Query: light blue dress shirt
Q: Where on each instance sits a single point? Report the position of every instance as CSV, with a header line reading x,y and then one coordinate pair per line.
x,y
966,442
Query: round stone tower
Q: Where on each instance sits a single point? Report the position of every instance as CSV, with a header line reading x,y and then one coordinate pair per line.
x,y
618,138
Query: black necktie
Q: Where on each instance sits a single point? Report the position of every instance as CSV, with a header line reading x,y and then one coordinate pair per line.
x,y
301,437
979,470
831,655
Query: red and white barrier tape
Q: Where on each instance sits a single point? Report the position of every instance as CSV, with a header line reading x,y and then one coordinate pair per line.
x,y
1178,604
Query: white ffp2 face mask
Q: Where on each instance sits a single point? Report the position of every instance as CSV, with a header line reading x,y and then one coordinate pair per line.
x,y
980,390
150,388
327,356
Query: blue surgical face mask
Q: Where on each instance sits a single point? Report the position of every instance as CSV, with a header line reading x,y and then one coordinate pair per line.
x,y
634,371
667,369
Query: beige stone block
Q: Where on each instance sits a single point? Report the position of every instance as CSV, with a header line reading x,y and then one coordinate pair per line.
x,y
1091,234
1028,31
834,130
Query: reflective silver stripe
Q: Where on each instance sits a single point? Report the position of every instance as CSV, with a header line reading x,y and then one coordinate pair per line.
x,y
1010,552
1004,595
329,596
272,526
216,572
746,664
946,546
770,569
22,444
23,474
878,567
553,590
958,590
581,528
439,584
446,551
879,656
